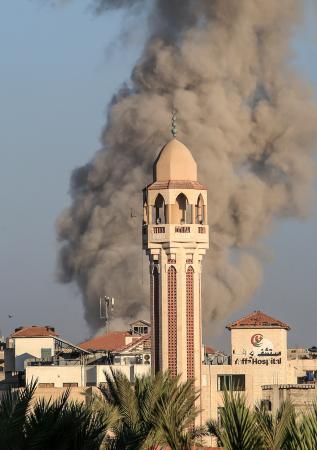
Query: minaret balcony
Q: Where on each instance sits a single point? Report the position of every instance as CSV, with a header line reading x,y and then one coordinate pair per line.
x,y
159,233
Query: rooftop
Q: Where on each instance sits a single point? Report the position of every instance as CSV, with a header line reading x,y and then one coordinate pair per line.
x,y
145,340
34,331
257,319
107,342
140,321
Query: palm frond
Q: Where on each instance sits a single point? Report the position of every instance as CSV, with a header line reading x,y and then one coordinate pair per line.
x,y
237,429
274,428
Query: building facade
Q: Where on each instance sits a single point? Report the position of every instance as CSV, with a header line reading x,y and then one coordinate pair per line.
x,y
260,367
176,237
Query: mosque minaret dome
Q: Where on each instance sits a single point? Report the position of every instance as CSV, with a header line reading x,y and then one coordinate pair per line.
x,y
175,162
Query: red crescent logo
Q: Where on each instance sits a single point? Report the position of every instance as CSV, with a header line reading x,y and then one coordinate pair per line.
x,y
256,340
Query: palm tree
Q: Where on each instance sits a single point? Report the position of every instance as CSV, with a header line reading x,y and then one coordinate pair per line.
x,y
175,414
157,410
309,428
274,429
237,427
136,429
303,431
54,425
14,407
63,425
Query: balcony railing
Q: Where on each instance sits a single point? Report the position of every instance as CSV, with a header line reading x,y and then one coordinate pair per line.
x,y
158,230
182,229
53,362
182,232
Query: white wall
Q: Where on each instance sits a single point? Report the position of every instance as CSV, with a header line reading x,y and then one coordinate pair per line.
x,y
30,347
93,375
96,374
274,339
56,375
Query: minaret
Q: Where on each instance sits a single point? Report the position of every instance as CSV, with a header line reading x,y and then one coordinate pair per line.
x,y
175,237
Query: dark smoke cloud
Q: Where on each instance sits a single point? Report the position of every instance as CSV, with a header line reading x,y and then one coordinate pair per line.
x,y
250,123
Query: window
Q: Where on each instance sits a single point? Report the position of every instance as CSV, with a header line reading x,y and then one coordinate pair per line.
x,y
184,210
70,384
46,385
231,382
145,213
46,353
200,210
159,210
266,405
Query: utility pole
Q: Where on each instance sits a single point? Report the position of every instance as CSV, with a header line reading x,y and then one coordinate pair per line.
x,y
106,306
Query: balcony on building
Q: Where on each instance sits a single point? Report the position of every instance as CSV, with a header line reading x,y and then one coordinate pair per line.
x,y
180,221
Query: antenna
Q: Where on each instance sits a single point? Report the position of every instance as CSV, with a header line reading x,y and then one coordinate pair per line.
x,y
106,307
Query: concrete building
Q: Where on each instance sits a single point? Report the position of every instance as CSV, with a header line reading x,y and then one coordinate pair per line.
x,y
30,342
260,367
176,237
39,354
35,350
122,347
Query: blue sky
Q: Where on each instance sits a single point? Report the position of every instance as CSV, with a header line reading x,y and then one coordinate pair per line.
x,y
59,69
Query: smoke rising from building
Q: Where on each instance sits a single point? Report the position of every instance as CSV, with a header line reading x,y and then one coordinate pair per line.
x,y
249,122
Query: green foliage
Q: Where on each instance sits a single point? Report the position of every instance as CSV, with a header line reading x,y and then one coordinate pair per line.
x,y
237,428
14,407
175,414
49,425
241,428
157,410
303,431
274,429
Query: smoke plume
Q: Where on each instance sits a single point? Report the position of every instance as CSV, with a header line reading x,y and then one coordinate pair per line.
x,y
250,123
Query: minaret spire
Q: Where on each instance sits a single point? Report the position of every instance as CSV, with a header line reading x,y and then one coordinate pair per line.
x,y
174,128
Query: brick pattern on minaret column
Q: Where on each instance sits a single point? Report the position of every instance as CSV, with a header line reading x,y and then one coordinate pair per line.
x,y
190,322
156,319
172,320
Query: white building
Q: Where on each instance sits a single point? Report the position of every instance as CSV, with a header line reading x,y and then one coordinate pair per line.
x,y
259,366
38,350
39,354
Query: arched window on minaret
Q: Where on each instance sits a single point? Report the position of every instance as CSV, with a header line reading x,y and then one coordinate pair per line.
x,y
145,213
200,210
159,210
183,210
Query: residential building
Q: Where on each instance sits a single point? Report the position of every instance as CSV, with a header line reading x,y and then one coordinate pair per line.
x,y
35,350
39,354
